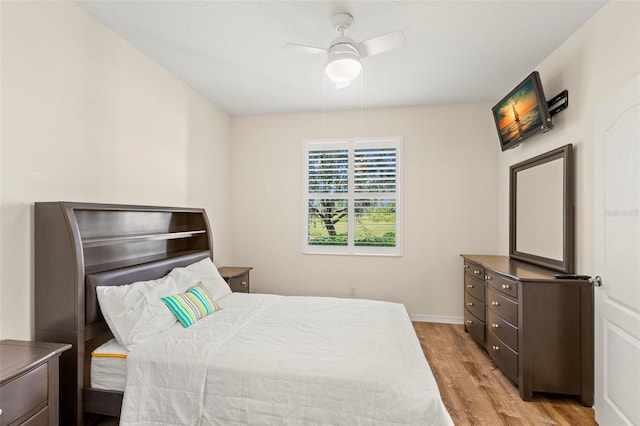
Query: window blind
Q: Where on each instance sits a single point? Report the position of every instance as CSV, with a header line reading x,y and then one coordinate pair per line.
x,y
352,199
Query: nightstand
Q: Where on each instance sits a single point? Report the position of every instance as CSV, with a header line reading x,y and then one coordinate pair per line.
x,y
29,382
237,277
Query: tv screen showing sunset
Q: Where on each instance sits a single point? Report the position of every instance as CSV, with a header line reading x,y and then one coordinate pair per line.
x,y
519,113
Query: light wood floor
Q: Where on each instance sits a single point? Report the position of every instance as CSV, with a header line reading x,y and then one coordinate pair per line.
x,y
475,392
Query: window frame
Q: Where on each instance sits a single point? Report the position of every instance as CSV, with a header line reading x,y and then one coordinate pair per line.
x,y
351,144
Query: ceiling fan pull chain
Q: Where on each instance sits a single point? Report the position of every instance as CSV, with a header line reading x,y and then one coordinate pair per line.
x,y
324,104
362,103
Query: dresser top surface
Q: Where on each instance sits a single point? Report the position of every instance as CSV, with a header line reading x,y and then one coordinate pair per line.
x,y
514,268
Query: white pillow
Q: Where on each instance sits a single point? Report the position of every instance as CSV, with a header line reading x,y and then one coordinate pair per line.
x,y
135,312
203,271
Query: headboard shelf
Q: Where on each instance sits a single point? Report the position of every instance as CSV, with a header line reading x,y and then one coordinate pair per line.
x,y
125,263
129,238
109,221
79,246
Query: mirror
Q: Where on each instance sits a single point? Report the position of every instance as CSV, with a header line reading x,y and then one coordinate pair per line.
x,y
541,221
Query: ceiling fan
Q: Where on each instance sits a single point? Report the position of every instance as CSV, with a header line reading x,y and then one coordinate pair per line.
x,y
344,54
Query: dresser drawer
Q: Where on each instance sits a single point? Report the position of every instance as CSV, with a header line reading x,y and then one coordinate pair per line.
x,y
25,394
475,306
474,326
505,358
474,286
501,283
503,330
505,307
474,270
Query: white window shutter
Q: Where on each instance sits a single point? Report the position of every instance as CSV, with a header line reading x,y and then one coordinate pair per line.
x,y
352,199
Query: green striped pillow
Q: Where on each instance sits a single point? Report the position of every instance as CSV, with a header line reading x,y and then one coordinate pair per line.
x,y
194,304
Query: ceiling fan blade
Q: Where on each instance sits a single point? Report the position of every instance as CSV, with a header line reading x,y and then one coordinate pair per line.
x,y
306,49
380,44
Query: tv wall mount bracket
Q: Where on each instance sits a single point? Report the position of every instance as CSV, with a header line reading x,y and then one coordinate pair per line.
x,y
560,97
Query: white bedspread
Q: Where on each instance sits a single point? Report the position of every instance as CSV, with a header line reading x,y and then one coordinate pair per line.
x,y
266,359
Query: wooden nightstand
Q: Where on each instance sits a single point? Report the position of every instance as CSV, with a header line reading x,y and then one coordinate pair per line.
x,y
29,382
237,277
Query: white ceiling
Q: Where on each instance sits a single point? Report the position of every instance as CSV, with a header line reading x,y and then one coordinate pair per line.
x,y
456,51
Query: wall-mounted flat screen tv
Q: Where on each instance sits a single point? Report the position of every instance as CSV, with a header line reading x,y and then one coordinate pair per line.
x,y
522,113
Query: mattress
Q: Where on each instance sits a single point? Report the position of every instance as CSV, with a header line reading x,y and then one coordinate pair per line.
x,y
267,359
109,366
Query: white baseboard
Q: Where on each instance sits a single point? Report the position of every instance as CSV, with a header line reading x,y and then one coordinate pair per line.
x,y
436,318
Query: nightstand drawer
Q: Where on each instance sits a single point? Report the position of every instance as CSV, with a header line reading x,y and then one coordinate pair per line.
x,y
40,419
25,394
240,284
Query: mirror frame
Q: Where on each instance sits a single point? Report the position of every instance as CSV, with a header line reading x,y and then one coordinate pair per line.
x,y
567,263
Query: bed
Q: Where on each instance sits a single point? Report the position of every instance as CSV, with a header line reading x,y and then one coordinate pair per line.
x,y
259,359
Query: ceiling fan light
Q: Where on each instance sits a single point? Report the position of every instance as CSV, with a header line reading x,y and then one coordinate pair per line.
x,y
343,67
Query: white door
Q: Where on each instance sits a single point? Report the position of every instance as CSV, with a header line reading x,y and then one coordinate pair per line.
x,y
617,257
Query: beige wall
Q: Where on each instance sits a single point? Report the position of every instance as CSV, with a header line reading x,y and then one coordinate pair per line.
x,y
87,117
208,171
450,205
595,61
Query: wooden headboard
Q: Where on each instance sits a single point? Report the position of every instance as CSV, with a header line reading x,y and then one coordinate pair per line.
x,y
79,246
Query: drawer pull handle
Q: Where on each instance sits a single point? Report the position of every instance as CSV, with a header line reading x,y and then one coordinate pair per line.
x,y
495,325
244,283
469,303
487,277
495,303
469,322
476,272
495,348
506,286
469,285
466,266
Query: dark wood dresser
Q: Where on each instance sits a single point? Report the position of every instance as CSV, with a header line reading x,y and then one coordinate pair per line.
x,y
237,277
537,329
29,382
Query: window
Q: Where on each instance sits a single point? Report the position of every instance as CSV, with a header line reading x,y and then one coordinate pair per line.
x,y
352,196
